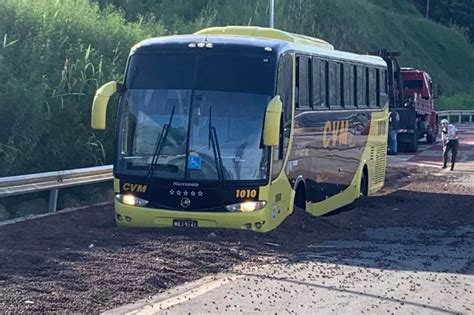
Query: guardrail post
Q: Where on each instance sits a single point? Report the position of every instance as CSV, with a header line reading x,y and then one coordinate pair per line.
x,y
53,200
460,119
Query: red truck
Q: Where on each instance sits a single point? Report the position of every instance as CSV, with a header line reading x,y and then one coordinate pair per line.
x,y
418,117
411,95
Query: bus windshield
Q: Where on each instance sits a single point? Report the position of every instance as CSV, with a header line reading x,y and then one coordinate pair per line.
x,y
195,117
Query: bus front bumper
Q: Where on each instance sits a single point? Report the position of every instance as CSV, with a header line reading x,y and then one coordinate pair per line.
x,y
131,216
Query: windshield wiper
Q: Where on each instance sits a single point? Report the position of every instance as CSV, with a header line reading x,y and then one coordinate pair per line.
x,y
215,148
160,144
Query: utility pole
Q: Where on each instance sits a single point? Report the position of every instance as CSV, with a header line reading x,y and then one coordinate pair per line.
x,y
427,9
272,13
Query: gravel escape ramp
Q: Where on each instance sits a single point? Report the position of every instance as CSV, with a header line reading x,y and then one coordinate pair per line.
x,y
80,262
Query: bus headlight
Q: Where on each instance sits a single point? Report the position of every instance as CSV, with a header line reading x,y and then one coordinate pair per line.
x,y
247,206
131,200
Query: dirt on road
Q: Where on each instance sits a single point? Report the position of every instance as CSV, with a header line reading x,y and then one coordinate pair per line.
x,y
81,262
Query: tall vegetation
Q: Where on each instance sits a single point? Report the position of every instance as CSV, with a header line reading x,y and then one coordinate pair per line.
x,y
54,54
458,13
356,25
53,57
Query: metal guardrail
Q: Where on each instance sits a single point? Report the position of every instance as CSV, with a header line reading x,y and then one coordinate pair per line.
x,y
462,116
53,181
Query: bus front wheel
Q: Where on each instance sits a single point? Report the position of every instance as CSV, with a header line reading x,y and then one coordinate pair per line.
x,y
300,197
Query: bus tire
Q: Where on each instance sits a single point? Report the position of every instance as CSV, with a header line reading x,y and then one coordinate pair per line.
x,y
300,197
364,183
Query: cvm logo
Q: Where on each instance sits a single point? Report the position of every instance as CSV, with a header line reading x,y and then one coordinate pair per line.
x,y
336,133
134,187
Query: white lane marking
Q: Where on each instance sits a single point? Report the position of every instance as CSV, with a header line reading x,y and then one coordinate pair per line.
x,y
158,304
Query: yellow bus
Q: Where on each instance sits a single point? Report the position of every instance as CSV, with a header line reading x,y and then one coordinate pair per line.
x,y
236,127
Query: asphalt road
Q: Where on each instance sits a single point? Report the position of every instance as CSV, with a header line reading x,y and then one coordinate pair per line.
x,y
430,155
387,273
415,263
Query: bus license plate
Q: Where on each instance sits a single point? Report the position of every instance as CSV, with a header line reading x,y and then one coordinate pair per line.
x,y
185,223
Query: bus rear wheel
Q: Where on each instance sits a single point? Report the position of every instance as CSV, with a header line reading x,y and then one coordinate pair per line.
x,y
364,184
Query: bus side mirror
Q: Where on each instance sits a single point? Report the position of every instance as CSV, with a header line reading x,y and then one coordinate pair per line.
x,y
99,106
271,128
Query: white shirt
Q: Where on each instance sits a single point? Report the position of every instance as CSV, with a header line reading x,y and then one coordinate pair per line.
x,y
449,133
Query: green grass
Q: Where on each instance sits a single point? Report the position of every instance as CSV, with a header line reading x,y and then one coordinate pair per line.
x,y
456,101
54,56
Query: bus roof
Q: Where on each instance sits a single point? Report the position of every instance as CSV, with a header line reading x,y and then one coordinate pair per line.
x,y
295,41
257,37
264,32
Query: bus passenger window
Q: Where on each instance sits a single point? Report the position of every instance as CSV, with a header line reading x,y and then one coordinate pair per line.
x,y
361,86
348,85
352,76
285,90
319,84
302,82
334,84
285,84
383,82
338,84
356,86
372,88
383,87
331,83
377,80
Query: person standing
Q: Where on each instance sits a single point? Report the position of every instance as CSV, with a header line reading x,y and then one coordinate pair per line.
x,y
393,124
449,135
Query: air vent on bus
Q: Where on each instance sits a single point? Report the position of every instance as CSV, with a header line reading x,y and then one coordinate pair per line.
x,y
372,154
379,166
